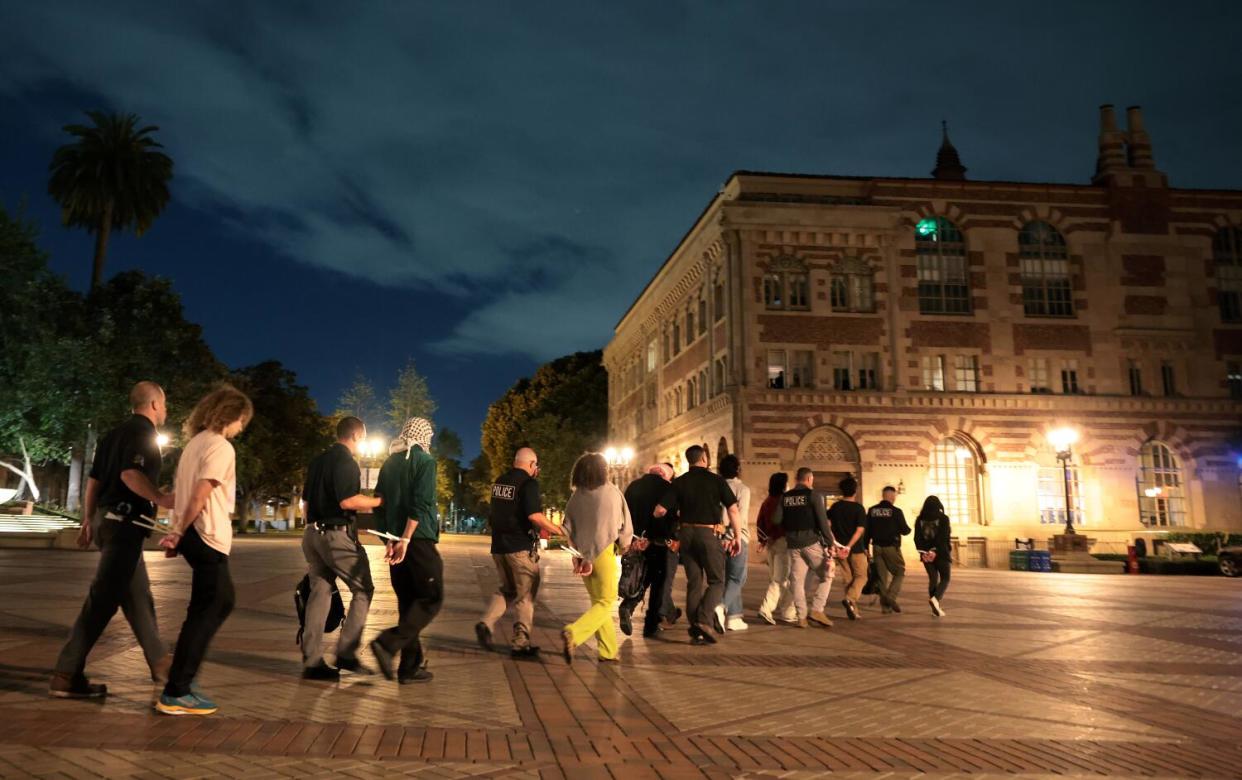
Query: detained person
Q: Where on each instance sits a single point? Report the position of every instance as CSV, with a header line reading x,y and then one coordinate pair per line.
x,y
642,496
735,565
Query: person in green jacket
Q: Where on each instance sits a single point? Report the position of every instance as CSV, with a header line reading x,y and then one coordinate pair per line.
x,y
407,482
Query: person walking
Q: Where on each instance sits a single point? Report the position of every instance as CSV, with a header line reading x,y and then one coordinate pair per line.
x,y
696,499
778,598
598,526
407,484
933,540
886,524
202,532
660,562
333,495
516,519
120,489
849,527
735,565
808,538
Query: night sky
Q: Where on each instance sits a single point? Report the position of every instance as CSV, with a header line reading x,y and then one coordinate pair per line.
x,y
486,186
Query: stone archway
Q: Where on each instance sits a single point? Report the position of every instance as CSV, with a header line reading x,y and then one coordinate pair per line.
x,y
831,453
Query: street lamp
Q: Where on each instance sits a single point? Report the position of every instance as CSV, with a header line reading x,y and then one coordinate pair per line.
x,y
162,440
618,459
1062,440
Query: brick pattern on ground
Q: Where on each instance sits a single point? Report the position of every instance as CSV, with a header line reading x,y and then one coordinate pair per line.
x,y
1038,675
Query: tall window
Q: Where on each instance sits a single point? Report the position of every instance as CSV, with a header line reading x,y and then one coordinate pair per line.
x,y
689,326
966,373
789,370
933,372
1069,376
668,353
1051,494
787,285
1135,371
720,375
841,371
1044,261
1168,382
869,371
1227,252
799,290
692,393
852,288
1233,378
676,337
802,369
943,282
778,371
773,291
1037,373
703,386
702,316
954,477
677,401
718,301
1162,498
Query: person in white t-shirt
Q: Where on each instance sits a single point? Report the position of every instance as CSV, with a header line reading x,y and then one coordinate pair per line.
x,y
202,532
729,613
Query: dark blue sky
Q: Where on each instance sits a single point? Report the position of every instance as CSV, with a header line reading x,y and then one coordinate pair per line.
x,y
485,186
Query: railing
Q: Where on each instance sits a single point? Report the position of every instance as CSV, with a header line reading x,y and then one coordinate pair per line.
x,y
35,524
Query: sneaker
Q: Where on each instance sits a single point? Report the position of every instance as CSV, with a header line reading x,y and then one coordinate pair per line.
x,y
353,666
851,611
766,617
567,645
937,610
526,651
190,704
627,624
321,671
64,686
649,633
669,622
483,634
417,676
700,637
820,619
718,619
736,624
801,623
789,619
161,668
383,659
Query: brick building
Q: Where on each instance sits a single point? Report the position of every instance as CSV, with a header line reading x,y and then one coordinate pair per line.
x,y
930,333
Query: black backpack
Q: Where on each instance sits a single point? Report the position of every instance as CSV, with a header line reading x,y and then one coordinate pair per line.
x,y
336,607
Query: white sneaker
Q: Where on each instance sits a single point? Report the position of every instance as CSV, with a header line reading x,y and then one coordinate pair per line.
x,y
937,610
737,624
718,619
766,617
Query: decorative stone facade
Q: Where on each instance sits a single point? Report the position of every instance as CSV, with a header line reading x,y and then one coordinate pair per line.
x,y
928,333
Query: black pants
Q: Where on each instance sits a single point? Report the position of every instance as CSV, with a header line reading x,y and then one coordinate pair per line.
x,y
658,577
117,584
211,601
938,576
704,560
419,584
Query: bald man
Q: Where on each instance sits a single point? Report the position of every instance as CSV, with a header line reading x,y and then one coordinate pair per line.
x,y
120,489
516,519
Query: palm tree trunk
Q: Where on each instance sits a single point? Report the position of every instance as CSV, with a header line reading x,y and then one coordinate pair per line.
x,y
102,234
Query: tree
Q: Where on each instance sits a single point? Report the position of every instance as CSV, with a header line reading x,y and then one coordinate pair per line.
x,y
359,400
476,483
112,177
446,447
562,411
286,432
409,398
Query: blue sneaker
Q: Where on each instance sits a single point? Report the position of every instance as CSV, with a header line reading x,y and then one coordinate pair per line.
x,y
190,704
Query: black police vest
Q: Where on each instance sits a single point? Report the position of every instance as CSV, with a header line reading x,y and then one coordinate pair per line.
x,y
798,511
507,521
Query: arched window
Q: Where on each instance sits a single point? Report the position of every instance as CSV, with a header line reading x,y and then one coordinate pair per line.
x,y
722,449
787,284
953,476
702,316
852,288
1227,252
720,375
689,325
676,337
944,286
703,386
719,301
1162,492
1044,261
692,396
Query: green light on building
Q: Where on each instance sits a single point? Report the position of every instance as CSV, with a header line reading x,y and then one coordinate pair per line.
x,y
926,227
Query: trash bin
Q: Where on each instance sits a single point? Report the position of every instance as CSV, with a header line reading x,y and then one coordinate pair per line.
x,y
1041,560
1019,560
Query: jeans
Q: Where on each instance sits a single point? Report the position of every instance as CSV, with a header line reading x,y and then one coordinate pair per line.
x,y
891,568
519,588
418,582
806,565
735,578
661,568
335,552
704,560
778,598
601,586
211,601
938,576
120,581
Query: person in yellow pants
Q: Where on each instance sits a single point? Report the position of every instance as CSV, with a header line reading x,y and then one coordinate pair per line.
x,y
597,522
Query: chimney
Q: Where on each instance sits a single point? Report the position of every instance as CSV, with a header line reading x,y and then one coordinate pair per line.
x,y
1112,146
1139,153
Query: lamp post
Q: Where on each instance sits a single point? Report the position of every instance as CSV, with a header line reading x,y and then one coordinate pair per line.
x,y
1062,440
618,459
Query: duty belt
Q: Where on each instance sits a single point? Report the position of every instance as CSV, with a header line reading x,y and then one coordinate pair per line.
x,y
141,521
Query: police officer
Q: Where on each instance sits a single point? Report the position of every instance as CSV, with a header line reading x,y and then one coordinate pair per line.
x,y
120,489
333,496
697,499
807,538
886,524
516,519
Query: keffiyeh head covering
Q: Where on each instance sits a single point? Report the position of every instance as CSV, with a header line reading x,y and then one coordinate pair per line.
x,y
662,470
417,430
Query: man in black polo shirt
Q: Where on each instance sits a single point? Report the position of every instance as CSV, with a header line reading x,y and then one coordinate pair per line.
x,y
120,488
886,524
516,518
643,496
849,526
333,496
696,499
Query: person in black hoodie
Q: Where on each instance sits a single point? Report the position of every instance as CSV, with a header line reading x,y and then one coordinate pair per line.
x,y
886,524
932,539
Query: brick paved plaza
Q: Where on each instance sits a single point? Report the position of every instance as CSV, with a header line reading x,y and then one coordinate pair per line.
x,y
1032,674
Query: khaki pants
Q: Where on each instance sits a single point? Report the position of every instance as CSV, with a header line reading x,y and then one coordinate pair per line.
x,y
778,600
891,567
854,573
519,587
807,565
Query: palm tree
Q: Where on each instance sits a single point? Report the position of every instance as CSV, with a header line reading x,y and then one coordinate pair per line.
x,y
112,176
